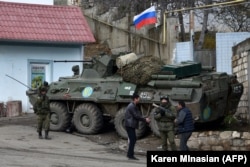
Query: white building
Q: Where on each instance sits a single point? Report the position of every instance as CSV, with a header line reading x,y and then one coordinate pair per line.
x,y
30,42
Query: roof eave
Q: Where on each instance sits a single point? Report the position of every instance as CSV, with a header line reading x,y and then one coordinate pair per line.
x,y
46,42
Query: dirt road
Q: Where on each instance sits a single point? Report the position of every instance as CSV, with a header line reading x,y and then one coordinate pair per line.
x,y
20,146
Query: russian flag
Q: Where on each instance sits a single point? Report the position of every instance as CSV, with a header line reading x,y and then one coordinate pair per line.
x,y
148,16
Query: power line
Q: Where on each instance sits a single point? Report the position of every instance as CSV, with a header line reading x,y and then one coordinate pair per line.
x,y
223,4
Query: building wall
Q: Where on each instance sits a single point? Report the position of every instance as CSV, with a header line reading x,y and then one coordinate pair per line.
x,y
206,57
183,52
14,61
224,44
62,2
241,67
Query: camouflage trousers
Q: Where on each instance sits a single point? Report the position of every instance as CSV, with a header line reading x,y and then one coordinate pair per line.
x,y
168,136
43,120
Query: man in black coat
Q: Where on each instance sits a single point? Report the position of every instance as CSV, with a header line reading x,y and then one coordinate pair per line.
x,y
132,118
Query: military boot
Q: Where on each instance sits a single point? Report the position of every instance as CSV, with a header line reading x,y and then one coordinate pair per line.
x,y
40,136
47,135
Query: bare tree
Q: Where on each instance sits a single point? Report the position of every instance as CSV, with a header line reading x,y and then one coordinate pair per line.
x,y
235,17
204,27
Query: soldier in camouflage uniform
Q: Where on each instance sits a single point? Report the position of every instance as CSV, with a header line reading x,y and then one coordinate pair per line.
x,y
165,121
42,109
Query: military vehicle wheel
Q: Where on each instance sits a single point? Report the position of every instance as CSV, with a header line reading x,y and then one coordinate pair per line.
x,y
120,125
88,119
60,118
153,124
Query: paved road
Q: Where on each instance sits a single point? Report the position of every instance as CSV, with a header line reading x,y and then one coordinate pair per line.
x,y
20,147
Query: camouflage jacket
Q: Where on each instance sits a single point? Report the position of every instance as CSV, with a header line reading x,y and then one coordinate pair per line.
x,y
165,122
41,105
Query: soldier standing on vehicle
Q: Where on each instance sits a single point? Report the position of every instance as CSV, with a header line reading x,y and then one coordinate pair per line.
x,y
132,118
185,124
42,109
165,115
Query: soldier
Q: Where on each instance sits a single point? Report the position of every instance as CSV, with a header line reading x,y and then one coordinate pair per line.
x,y
165,116
75,70
42,109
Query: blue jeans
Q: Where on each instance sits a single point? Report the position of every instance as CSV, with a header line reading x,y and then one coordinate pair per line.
x,y
132,141
183,141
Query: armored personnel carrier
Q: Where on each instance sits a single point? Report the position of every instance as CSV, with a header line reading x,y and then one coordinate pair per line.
x,y
99,91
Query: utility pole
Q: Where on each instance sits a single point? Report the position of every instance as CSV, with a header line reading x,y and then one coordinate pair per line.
x,y
191,30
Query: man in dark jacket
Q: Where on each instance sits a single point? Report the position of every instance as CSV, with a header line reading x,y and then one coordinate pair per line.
x,y
132,118
165,116
185,124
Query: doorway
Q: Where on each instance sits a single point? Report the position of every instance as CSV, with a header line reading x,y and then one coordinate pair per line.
x,y
38,72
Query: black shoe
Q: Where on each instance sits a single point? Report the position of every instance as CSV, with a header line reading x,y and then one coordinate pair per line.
x,y
40,136
47,135
47,138
132,158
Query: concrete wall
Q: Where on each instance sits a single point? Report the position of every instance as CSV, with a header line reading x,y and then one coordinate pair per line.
x,y
206,57
241,67
62,2
14,61
121,36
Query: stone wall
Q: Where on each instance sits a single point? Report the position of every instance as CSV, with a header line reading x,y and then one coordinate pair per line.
x,y
240,64
60,2
219,141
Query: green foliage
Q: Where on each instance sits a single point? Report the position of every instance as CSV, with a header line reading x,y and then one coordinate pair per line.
x,y
209,41
229,121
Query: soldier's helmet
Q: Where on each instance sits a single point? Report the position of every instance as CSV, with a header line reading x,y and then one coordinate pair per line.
x,y
164,97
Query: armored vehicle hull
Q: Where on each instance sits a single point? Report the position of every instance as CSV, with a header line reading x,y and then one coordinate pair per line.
x,y
99,91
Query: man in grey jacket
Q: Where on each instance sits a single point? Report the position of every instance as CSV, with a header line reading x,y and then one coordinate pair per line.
x,y
132,118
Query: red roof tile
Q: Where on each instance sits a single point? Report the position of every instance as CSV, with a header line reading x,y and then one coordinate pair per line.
x,y
43,23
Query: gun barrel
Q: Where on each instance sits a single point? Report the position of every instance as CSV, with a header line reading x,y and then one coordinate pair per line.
x,y
171,84
67,61
18,81
155,105
162,108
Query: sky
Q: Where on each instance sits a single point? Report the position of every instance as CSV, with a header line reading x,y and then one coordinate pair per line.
x,y
44,2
